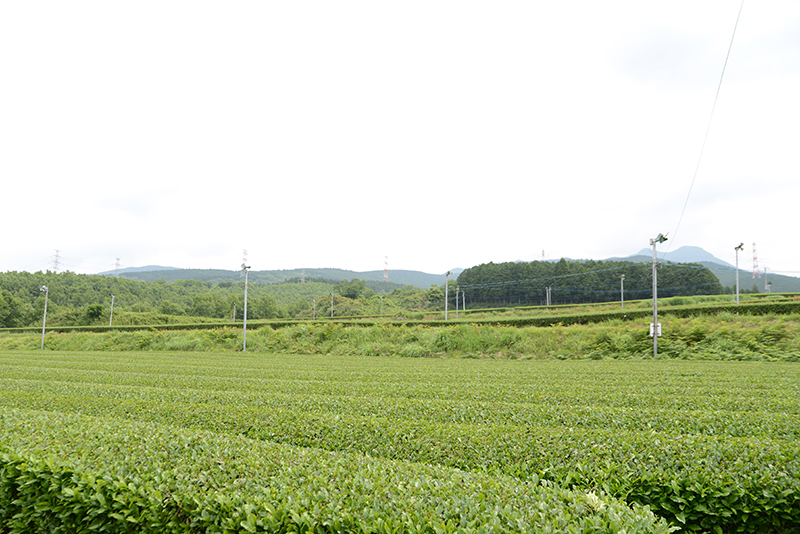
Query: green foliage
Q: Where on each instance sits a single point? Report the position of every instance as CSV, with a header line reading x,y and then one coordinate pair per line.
x,y
353,289
202,301
71,473
588,281
709,446
711,337
167,307
263,307
94,311
212,305
12,310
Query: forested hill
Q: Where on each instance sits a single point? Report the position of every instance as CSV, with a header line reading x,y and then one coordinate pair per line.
x,y
80,299
397,278
586,281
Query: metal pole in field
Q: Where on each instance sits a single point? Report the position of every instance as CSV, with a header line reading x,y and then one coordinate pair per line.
x,y
622,291
111,317
244,336
737,249
448,273
44,320
457,302
654,330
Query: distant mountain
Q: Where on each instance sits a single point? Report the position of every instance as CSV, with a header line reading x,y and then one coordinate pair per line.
x,y
687,254
397,278
138,269
721,269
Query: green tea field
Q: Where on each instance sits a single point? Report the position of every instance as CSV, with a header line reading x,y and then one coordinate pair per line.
x,y
251,442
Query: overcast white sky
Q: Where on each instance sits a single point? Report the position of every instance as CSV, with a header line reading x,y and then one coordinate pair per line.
x,y
440,134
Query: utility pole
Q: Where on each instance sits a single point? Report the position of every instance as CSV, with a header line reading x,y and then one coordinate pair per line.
x,y
622,291
111,318
737,249
448,273
331,305
655,328
44,320
244,335
457,303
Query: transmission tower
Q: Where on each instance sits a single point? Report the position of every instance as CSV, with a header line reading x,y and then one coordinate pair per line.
x,y
56,261
756,272
386,268
116,268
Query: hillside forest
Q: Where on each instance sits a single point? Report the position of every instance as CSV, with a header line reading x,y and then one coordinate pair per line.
x,y
79,299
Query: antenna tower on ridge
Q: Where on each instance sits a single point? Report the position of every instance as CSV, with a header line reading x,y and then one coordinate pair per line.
x,y
756,272
386,268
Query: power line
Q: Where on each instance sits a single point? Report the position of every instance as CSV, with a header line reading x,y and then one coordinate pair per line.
x,y
708,129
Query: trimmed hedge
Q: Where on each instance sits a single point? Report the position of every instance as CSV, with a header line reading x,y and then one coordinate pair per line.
x,y
76,474
717,454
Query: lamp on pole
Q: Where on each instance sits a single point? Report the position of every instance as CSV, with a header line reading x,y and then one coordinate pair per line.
x,y
622,290
737,249
244,335
655,328
44,320
448,273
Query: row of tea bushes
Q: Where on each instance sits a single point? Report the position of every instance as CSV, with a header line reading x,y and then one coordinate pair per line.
x,y
78,474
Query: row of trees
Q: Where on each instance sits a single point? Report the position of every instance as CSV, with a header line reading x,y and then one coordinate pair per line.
x,y
86,299
577,282
76,299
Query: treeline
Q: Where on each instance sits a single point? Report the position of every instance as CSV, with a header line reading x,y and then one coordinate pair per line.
x,y
580,282
78,299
